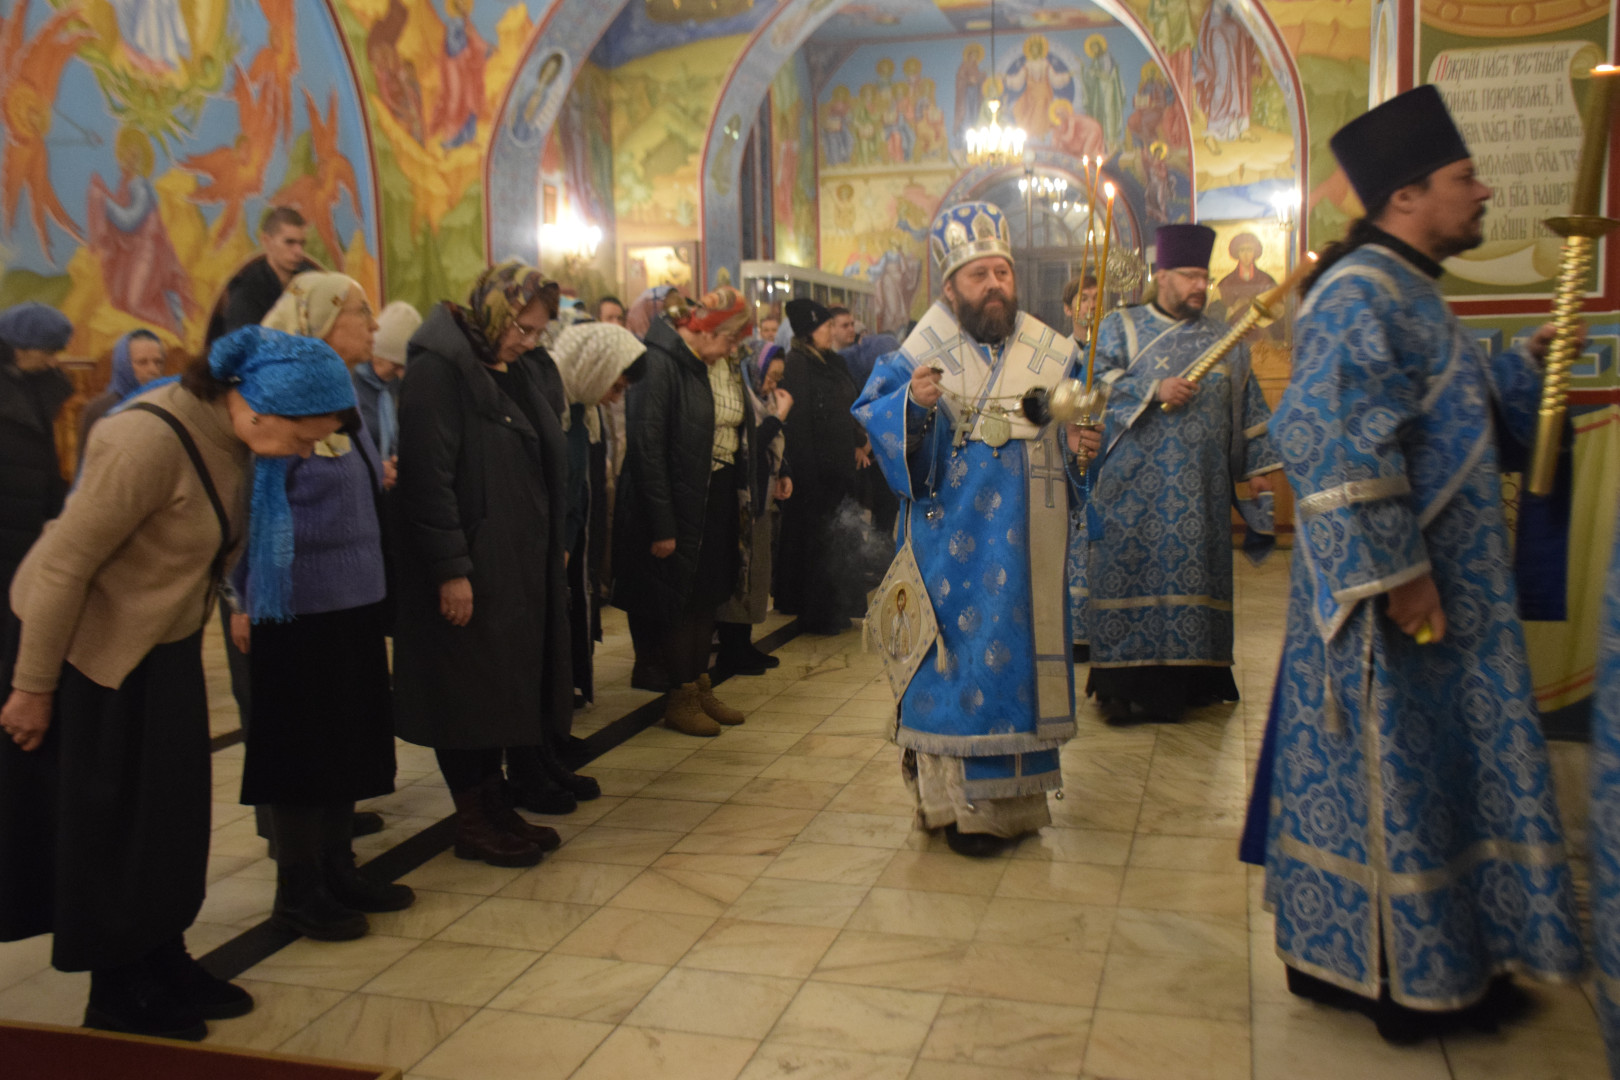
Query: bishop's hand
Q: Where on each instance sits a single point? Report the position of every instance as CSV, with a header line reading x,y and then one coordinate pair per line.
x,y
925,388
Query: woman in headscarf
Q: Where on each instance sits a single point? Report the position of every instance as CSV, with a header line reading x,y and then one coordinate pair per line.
x,y
137,359
311,623
105,788
32,392
481,654
597,362
676,525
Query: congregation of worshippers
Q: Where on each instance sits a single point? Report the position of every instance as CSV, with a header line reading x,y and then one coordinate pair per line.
x,y
406,524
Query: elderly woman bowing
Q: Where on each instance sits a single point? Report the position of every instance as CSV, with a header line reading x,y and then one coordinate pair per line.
x,y
481,654
597,361
310,618
104,777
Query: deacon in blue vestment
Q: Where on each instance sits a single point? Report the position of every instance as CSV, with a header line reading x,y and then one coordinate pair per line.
x,y
1414,855
1160,560
983,673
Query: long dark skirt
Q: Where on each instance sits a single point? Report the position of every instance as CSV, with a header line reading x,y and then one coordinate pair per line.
x,y
104,829
323,719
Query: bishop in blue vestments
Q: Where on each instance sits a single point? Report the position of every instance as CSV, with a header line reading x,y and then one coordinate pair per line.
x,y
1159,513
982,669
1414,856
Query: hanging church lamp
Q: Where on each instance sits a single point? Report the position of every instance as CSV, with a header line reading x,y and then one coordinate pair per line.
x,y
993,143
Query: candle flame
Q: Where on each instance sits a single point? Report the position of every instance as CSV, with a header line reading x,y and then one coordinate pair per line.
x,y
1605,69
1311,255
1108,189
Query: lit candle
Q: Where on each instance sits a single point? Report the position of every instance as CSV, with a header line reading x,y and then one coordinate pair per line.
x,y
1102,281
1595,120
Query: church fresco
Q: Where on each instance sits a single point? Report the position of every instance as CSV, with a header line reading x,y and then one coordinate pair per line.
x,y
890,139
144,139
793,172
434,72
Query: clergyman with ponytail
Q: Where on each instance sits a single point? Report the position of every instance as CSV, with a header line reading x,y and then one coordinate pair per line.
x,y
1404,768
105,786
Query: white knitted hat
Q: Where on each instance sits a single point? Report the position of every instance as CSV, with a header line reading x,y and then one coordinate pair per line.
x,y
395,326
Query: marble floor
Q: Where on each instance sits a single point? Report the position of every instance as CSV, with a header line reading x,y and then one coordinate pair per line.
x,y
760,906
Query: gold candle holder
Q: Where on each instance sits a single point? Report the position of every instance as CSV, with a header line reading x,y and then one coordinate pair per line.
x,y
1581,233
1266,308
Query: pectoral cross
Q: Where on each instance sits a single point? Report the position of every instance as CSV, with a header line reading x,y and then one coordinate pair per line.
x,y
962,429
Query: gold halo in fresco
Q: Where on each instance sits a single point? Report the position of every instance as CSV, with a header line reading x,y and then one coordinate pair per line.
x,y
1510,18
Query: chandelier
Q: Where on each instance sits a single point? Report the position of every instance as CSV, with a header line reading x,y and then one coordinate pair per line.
x,y
993,144
1048,189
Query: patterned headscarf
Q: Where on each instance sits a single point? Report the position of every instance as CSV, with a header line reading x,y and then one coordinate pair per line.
x,y
722,311
310,303
277,375
498,297
591,357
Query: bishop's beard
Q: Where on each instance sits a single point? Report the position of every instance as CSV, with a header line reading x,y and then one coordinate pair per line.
x,y
986,322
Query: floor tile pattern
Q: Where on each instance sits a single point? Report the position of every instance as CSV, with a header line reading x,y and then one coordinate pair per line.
x,y
760,906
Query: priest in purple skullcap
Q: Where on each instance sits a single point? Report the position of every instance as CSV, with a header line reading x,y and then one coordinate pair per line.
x,y
1159,566
1404,801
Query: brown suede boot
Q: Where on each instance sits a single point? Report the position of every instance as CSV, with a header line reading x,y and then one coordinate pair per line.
x,y
498,805
478,839
713,706
682,713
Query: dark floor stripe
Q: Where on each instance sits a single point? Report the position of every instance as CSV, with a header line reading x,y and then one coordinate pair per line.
x,y
224,739
264,941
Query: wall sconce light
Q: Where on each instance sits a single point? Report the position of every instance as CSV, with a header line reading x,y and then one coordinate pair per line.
x,y
1286,205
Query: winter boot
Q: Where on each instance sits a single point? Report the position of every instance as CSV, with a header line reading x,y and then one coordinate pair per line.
x,y
683,713
582,788
353,889
498,807
478,839
713,706
305,906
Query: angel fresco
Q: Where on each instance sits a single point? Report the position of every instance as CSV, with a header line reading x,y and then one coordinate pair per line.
x,y
155,30
274,66
461,93
236,173
316,193
140,271
398,87
29,73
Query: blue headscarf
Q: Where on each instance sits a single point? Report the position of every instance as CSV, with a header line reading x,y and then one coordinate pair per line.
x,y
124,382
277,375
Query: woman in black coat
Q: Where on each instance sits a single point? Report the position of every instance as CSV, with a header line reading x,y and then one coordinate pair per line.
x,y
481,656
676,519
814,579
32,392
